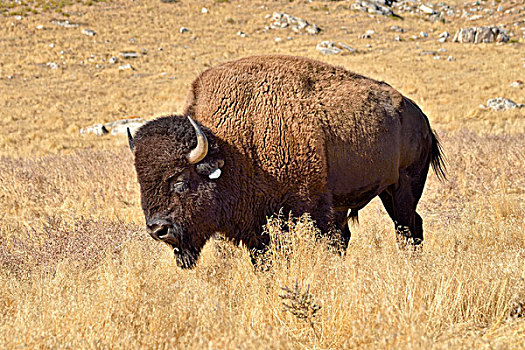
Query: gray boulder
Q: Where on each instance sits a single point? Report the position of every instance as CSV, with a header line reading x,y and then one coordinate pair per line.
x,y
328,47
479,35
118,127
502,104
284,20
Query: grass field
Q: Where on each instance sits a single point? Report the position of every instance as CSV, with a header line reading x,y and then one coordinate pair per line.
x,y
77,269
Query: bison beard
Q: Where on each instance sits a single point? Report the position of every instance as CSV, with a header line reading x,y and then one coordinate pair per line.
x,y
281,133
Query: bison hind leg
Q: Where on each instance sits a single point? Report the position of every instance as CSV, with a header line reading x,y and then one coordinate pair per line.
x,y
400,201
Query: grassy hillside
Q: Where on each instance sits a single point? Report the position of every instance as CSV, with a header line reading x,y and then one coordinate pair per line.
x,y
78,270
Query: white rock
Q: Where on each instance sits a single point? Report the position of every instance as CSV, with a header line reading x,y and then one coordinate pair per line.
x,y
475,18
52,65
427,9
241,34
328,47
183,30
113,60
423,34
451,58
502,104
125,67
204,10
284,20
88,32
97,129
118,127
129,54
516,84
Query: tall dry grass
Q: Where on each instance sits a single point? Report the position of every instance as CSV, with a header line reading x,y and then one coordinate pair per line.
x,y
78,271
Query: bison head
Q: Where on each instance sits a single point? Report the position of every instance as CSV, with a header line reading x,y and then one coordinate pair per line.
x,y
178,168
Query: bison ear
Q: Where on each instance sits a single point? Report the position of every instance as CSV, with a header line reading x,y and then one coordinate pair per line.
x,y
131,142
215,174
210,168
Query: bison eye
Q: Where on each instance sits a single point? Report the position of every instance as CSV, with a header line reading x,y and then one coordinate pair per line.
x,y
179,186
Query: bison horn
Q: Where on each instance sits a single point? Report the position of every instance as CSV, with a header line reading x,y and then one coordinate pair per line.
x,y
199,152
130,141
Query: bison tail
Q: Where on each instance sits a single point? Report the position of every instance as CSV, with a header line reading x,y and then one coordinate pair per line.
x,y
437,158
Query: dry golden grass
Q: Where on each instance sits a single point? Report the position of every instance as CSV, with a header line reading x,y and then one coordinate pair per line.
x,y
77,269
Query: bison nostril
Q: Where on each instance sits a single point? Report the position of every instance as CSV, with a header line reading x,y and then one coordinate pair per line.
x,y
158,229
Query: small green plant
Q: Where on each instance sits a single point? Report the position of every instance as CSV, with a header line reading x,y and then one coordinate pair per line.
x,y
300,304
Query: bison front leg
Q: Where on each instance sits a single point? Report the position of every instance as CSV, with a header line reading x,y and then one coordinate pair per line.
x,y
341,223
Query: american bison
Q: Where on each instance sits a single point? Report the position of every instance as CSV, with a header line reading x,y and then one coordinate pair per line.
x,y
266,133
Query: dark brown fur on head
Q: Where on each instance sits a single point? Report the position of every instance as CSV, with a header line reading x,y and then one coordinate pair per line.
x,y
174,190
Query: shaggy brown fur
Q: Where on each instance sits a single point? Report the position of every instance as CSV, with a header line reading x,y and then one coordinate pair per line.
x,y
293,133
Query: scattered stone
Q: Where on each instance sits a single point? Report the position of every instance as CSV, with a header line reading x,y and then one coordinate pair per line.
x,y
516,84
113,60
277,39
502,104
126,67
368,34
378,7
183,30
98,65
118,127
51,45
241,34
97,129
9,77
500,8
397,38
451,58
427,9
423,34
65,24
475,18
328,47
284,20
204,10
397,29
88,32
443,37
129,54
40,26
52,65
478,35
